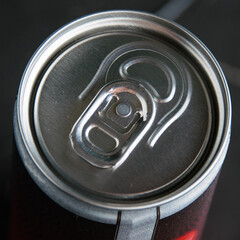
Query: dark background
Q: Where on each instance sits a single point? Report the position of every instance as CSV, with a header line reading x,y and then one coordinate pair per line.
x,y
26,24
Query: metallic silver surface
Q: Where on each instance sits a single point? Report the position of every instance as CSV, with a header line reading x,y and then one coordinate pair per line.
x,y
181,107
137,225
156,81
103,137
104,215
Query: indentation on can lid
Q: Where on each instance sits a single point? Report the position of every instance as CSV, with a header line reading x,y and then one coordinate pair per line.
x,y
124,123
143,71
101,139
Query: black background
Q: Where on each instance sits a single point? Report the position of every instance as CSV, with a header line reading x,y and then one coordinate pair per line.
x,y
26,24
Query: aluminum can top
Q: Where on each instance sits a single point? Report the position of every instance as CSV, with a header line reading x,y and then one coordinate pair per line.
x,y
124,110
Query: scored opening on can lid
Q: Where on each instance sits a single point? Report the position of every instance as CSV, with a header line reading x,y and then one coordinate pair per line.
x,y
123,108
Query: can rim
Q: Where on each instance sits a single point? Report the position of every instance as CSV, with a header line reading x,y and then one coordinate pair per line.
x,y
46,51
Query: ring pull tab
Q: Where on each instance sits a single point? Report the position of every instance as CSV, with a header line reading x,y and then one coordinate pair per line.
x,y
113,124
152,93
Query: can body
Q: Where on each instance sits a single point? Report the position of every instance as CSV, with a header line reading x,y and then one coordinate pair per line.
x,y
35,216
131,146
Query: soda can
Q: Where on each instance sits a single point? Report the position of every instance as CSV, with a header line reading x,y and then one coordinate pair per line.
x,y
123,119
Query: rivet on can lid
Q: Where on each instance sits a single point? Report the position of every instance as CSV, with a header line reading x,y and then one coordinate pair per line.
x,y
123,109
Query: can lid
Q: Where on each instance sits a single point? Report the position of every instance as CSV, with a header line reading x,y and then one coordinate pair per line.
x,y
122,108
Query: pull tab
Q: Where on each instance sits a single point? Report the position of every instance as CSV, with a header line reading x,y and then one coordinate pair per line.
x,y
113,124
152,94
